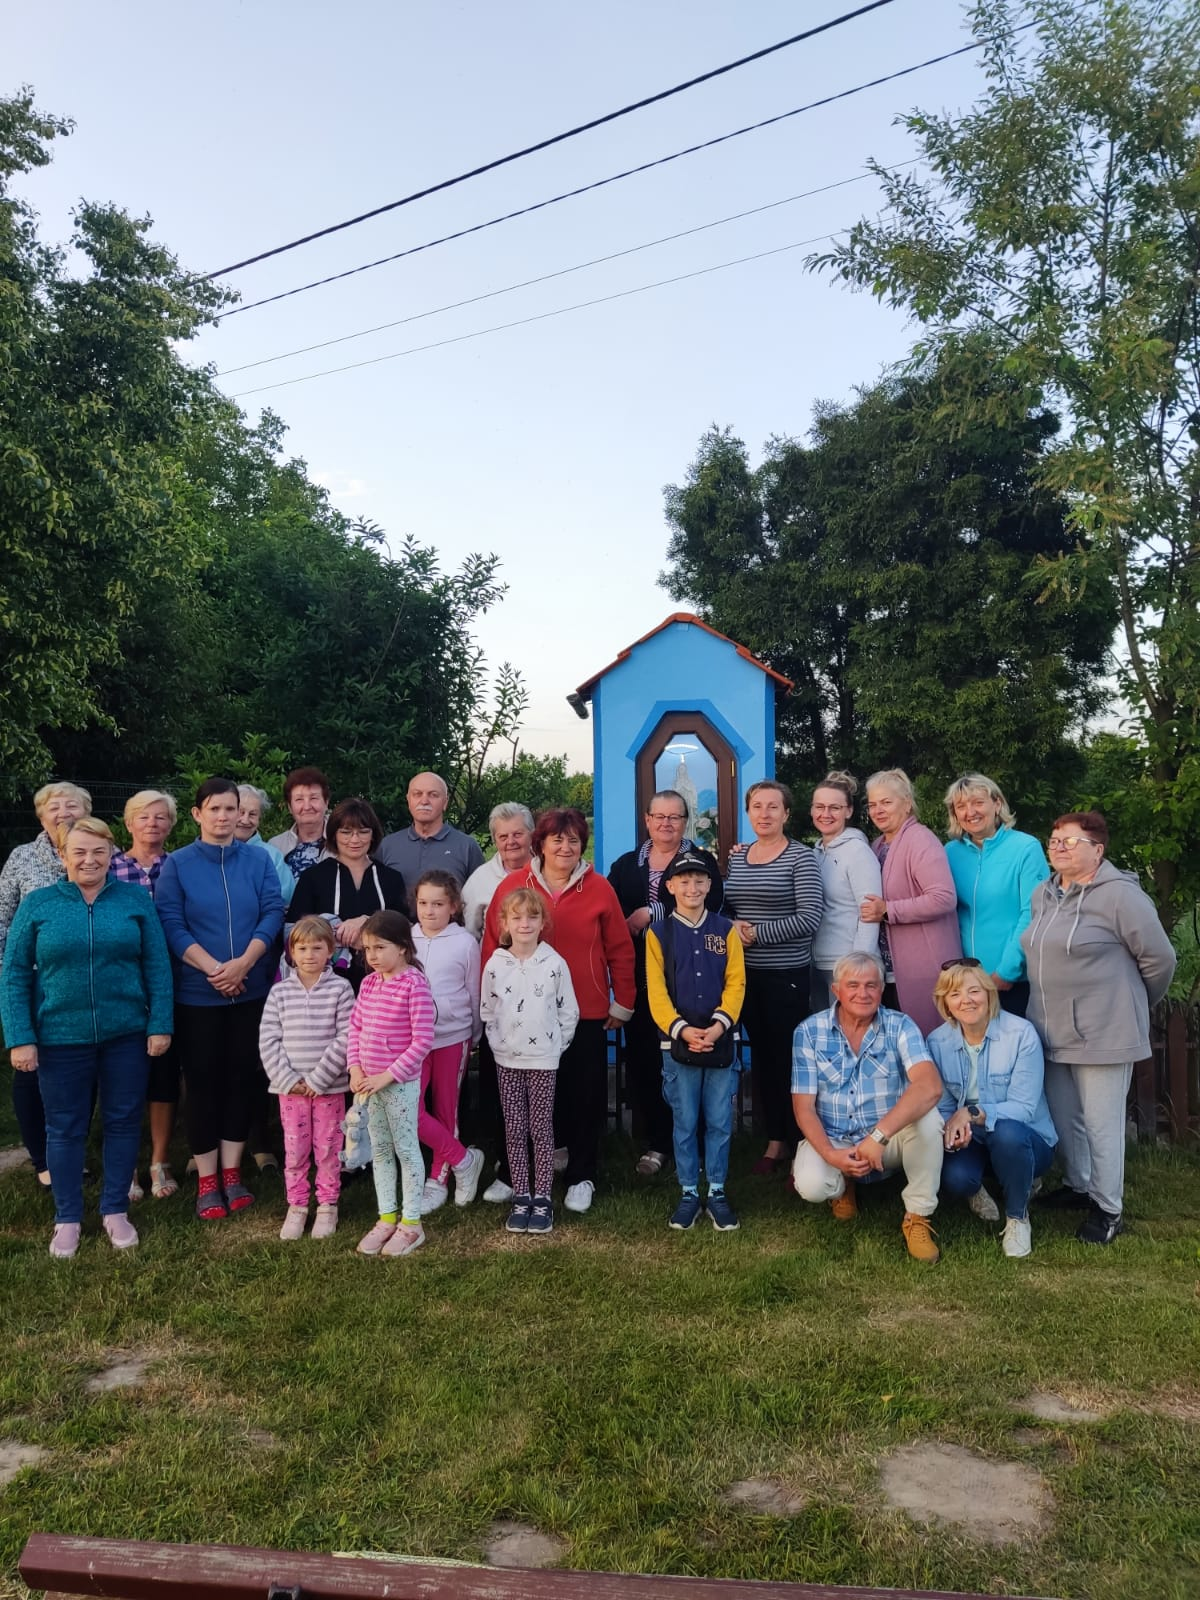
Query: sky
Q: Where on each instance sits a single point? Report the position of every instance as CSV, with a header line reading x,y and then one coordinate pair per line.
x,y
245,124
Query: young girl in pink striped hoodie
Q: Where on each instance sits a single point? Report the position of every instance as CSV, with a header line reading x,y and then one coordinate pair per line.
x,y
391,1033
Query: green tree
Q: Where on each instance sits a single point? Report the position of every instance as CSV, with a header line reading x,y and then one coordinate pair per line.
x,y
1061,215
881,567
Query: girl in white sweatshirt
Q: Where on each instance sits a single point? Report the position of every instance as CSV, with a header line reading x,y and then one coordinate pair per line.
x,y
530,1012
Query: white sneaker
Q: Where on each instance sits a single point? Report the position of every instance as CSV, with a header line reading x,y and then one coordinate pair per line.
x,y
466,1176
498,1193
294,1223
984,1207
325,1223
1018,1237
579,1196
433,1197
561,1156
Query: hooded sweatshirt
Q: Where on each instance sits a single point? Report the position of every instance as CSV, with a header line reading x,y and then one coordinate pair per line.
x,y
995,887
1098,959
849,872
529,1008
451,962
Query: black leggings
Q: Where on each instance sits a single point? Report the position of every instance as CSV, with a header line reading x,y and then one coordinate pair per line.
x,y
218,1050
643,1065
776,1004
581,1098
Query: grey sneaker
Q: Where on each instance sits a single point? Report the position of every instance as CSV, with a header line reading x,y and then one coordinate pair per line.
x,y
498,1193
1018,1237
983,1206
433,1197
325,1223
466,1176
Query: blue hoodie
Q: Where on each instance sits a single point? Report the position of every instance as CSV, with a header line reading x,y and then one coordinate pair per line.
x,y
995,887
219,897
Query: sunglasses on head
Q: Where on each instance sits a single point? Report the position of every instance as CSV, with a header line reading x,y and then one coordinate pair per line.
x,y
961,961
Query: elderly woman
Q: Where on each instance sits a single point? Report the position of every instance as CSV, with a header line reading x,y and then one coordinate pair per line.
x,y
306,795
1098,960
918,924
85,999
993,1102
585,925
636,878
348,885
849,873
773,893
252,804
222,912
37,865
149,817
995,871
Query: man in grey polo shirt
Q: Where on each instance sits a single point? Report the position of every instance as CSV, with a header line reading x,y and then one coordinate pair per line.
x,y
431,841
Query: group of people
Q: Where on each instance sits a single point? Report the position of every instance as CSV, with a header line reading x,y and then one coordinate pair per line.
x,y
956,1012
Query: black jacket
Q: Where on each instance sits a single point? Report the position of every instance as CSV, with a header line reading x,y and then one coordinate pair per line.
x,y
631,882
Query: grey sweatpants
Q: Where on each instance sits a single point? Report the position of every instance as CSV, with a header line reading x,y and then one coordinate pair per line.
x,y
1088,1107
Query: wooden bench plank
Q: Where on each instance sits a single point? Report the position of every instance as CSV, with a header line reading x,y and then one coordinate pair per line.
x,y
119,1569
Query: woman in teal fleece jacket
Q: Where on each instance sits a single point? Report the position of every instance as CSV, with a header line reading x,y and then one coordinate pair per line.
x,y
86,996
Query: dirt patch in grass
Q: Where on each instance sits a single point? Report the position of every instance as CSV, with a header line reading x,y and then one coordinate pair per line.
x,y
1059,1408
1180,1404
15,1457
124,1369
513,1544
997,1502
10,1159
766,1497
893,1318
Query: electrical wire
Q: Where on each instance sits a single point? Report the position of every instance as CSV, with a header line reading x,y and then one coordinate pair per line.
x,y
563,272
541,316
600,183
558,138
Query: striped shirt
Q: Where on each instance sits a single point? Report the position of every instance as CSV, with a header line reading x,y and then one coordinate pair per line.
x,y
391,1026
854,1091
303,1034
125,869
783,899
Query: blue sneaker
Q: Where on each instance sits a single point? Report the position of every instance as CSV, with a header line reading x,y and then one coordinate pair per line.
x,y
724,1217
541,1217
518,1217
686,1212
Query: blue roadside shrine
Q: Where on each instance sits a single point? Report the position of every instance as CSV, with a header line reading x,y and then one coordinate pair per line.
x,y
684,708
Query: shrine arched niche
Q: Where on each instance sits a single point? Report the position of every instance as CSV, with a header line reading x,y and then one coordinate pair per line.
x,y
685,752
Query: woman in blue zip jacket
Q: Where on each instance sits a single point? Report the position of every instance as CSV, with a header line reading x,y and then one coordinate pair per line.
x,y
85,1000
222,912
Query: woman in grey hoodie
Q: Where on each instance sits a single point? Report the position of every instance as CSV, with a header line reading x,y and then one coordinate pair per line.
x,y
1098,959
849,872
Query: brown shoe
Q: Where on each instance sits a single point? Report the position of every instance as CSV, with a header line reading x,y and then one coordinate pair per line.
x,y
845,1207
919,1237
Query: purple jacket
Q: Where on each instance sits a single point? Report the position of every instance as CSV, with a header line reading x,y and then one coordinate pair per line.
x,y
922,919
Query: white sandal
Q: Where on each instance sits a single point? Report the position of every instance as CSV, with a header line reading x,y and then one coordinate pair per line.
x,y
162,1182
136,1192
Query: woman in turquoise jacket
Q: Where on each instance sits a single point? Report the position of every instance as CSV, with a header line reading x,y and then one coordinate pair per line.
x,y
995,871
85,1000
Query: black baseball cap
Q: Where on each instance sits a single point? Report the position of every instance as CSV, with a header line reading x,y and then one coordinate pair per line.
x,y
689,861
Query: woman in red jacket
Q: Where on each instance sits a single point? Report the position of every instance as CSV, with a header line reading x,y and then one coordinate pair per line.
x,y
585,924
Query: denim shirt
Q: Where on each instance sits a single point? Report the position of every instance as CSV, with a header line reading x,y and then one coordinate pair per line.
x,y
1011,1073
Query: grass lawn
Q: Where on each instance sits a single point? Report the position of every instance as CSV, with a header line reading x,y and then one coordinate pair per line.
x,y
606,1385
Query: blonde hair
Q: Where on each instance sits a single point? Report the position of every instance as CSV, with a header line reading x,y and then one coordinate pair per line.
x,y
312,928
845,783
143,800
93,826
974,783
953,978
51,791
519,900
898,781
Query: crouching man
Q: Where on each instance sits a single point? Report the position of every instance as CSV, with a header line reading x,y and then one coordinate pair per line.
x,y
865,1093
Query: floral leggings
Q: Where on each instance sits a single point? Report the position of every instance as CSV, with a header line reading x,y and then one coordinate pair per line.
x,y
527,1100
392,1121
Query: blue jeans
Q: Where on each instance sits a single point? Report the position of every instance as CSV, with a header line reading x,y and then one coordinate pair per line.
x,y
31,1117
691,1092
69,1075
1017,1155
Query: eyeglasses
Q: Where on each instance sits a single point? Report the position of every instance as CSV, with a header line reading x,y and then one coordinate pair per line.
x,y
961,961
354,833
665,816
1070,842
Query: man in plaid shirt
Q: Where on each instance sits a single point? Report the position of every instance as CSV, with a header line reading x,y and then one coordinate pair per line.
x,y
865,1094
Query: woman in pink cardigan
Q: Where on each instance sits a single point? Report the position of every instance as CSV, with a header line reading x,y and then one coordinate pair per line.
x,y
918,922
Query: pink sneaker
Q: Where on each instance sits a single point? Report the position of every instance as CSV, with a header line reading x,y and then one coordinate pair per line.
x,y
372,1243
64,1241
404,1241
120,1231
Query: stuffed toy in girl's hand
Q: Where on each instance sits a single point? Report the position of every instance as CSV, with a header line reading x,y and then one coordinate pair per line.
x,y
356,1151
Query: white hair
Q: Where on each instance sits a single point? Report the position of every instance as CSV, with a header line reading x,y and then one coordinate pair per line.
x,y
857,961
260,795
507,811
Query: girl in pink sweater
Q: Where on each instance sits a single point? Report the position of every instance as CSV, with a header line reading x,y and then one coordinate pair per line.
x,y
391,1033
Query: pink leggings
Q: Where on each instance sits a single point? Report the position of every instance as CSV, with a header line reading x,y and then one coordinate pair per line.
x,y
442,1074
527,1098
312,1131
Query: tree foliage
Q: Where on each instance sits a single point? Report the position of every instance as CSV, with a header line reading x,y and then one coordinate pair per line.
x,y
1062,214
882,568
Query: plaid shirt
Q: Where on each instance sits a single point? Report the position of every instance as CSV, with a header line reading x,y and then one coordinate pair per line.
x,y
126,870
854,1091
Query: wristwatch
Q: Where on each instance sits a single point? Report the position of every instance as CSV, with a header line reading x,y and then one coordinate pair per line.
x,y
881,1139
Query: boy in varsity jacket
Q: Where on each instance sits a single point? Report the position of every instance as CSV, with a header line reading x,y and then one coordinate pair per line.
x,y
696,982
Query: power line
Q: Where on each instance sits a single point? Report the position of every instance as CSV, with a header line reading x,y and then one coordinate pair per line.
x,y
558,138
600,183
563,272
541,316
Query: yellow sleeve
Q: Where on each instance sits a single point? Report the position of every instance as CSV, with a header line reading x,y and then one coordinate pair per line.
x,y
734,992
661,1009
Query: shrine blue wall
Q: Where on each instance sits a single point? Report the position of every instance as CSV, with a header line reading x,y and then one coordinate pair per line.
x,y
681,668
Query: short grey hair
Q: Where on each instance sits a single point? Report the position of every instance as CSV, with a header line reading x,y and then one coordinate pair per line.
x,y
261,795
508,811
858,961
898,781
